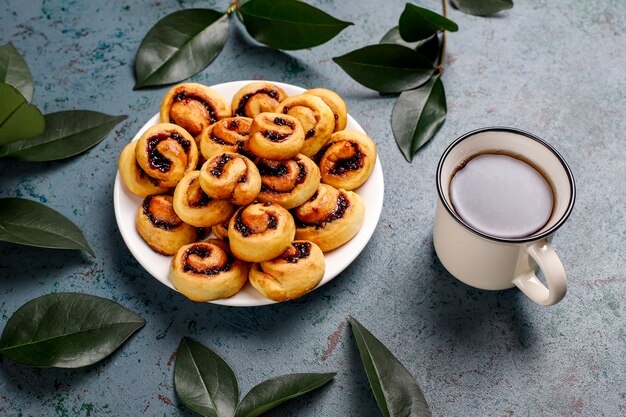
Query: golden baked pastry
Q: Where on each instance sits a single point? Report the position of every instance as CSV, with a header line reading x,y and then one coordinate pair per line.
x,y
316,118
227,135
135,178
288,183
232,177
193,206
205,271
257,98
160,227
336,104
275,136
221,230
330,218
347,160
260,232
166,152
292,274
193,106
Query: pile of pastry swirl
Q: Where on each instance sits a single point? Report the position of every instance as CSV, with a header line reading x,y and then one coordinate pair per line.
x,y
271,176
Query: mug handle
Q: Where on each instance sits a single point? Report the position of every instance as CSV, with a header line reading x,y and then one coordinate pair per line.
x,y
546,258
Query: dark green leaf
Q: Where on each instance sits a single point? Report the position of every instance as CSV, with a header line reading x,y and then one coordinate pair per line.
x,y
67,133
18,119
67,330
203,380
14,71
289,24
386,68
395,389
180,45
275,391
482,7
27,222
418,115
417,23
429,48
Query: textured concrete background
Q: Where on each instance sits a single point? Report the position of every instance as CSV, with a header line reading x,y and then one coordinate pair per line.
x,y
553,68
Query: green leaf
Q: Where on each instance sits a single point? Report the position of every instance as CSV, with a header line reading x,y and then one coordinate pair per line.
x,y
18,119
67,133
429,48
417,23
275,391
289,24
418,115
386,68
67,330
395,389
14,71
203,380
30,223
179,46
482,7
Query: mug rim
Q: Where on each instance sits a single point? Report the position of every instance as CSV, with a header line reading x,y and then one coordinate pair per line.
x,y
488,236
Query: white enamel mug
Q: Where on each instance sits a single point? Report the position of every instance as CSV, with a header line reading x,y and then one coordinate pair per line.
x,y
493,263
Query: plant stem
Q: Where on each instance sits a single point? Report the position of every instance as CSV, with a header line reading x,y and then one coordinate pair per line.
x,y
442,53
234,5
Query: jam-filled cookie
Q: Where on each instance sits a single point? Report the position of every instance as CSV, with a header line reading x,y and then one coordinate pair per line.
x,y
330,218
347,160
196,208
316,118
166,152
256,98
288,183
336,104
290,275
231,177
161,228
227,135
193,106
275,136
260,232
206,271
135,178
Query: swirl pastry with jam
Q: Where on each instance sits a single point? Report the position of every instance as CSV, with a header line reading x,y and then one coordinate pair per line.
x,y
260,232
292,274
336,104
316,117
232,177
256,98
347,160
193,107
275,136
288,183
196,208
227,135
206,271
161,228
330,218
166,152
135,178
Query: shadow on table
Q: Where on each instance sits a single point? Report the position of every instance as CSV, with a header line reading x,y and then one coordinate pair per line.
x,y
475,318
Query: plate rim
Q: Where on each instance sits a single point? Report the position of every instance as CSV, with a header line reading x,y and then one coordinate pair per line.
x,y
368,227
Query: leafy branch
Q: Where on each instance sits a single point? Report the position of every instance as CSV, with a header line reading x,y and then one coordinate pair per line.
x,y
27,135
187,41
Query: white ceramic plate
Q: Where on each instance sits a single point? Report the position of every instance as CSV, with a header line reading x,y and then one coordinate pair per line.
x,y
157,265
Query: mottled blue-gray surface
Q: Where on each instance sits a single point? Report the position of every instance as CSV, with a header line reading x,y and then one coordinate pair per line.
x,y
554,68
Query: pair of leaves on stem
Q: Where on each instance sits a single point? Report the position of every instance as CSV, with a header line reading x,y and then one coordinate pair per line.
x,y
207,385
67,330
407,61
27,135
185,42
